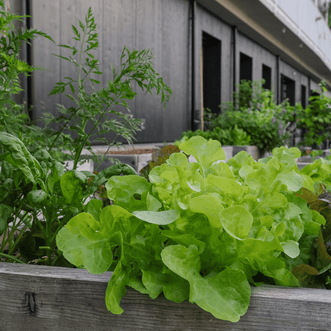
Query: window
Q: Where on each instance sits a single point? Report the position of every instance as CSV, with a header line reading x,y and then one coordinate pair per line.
x,y
211,53
288,90
266,75
303,96
246,67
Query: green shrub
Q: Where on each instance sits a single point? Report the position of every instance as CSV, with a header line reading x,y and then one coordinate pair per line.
x,y
233,137
251,118
315,120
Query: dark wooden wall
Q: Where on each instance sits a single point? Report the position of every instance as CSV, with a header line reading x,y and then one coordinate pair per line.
x,y
162,25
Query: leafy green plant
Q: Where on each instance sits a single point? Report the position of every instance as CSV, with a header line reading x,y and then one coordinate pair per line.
x,y
315,120
233,137
98,108
14,118
253,110
38,195
38,198
159,157
202,231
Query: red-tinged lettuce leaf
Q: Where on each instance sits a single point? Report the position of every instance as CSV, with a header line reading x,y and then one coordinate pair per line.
x,y
225,295
125,191
307,195
305,274
323,257
306,252
159,157
326,229
205,152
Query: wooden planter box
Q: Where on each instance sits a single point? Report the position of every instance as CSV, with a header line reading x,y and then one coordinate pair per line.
x,y
42,298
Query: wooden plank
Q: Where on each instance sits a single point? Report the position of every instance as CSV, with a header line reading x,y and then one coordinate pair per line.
x,y
119,18
46,17
163,27
70,13
175,67
148,35
44,298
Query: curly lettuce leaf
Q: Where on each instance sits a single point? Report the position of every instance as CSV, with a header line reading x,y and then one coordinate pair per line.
x,y
205,152
228,291
126,191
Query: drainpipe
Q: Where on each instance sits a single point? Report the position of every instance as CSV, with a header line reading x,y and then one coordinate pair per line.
x,y
309,88
234,57
29,59
193,5
278,78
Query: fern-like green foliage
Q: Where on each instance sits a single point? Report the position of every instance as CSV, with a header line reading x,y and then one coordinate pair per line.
x,y
98,110
14,118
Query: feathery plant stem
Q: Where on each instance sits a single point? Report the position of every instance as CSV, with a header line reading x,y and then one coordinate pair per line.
x,y
97,107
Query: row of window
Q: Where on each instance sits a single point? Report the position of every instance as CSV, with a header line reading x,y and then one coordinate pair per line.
x,y
212,76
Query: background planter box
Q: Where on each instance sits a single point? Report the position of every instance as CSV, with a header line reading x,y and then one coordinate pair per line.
x,y
139,157
43,298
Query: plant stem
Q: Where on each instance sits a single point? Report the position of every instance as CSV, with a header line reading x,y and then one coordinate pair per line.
x,y
80,148
77,155
80,59
60,132
110,144
12,258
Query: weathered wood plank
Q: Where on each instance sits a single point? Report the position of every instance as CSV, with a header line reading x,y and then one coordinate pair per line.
x,y
119,18
163,27
73,299
46,17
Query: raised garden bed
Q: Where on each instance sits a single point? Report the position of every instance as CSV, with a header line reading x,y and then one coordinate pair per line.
x,y
139,157
44,298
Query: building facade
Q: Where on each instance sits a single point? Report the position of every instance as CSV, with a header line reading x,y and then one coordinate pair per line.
x,y
286,42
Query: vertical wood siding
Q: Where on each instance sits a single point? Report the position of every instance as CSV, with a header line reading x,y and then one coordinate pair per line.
x,y
46,17
157,24
163,26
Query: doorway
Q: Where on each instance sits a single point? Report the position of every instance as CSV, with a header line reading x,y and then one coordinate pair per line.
x,y
211,58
